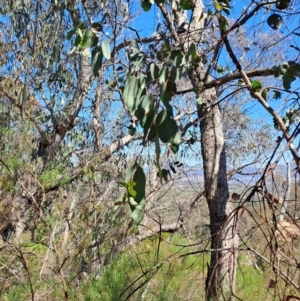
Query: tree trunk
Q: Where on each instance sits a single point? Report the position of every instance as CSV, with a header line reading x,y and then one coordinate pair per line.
x,y
222,268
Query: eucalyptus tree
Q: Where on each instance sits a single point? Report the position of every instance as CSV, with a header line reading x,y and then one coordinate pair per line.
x,y
57,130
53,89
192,47
66,64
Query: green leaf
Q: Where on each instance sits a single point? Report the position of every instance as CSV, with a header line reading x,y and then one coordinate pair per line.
x,y
163,173
129,175
70,34
137,60
154,71
137,215
165,97
218,6
132,201
131,189
166,126
78,40
256,85
134,44
288,78
150,131
192,53
178,73
129,92
176,56
277,95
169,63
97,26
137,201
145,108
274,21
139,179
170,86
87,39
264,93
223,23
146,5
226,11
105,48
166,45
295,67
176,142
283,4
186,4
163,76
79,31
161,55
97,57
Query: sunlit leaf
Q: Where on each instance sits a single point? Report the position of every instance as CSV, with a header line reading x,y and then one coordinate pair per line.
x,y
264,94
105,49
87,39
256,85
134,44
129,175
137,215
218,6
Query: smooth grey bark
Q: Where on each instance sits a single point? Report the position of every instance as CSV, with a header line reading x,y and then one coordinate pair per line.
x,y
222,268
221,274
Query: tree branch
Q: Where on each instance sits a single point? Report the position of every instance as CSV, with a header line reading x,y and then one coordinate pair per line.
x,y
232,76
